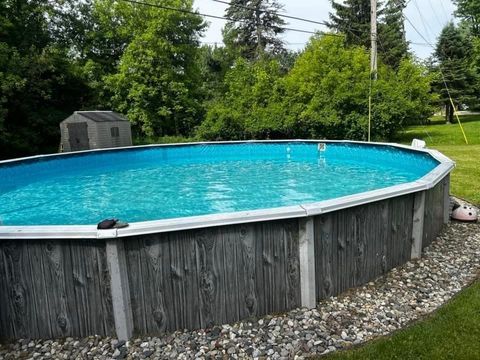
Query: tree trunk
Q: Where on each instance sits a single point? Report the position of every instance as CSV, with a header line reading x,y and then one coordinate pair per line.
x,y
449,111
452,115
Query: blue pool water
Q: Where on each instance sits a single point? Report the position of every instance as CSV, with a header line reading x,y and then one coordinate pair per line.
x,y
168,182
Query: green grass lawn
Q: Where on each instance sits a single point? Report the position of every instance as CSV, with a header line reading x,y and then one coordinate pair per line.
x,y
448,139
454,331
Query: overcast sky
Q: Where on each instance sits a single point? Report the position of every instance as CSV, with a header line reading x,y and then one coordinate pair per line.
x,y
428,17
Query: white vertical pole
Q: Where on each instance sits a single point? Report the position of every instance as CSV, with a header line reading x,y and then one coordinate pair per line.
x,y
307,263
122,310
418,220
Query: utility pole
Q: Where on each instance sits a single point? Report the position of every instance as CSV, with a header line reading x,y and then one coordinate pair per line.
x,y
258,31
373,38
373,59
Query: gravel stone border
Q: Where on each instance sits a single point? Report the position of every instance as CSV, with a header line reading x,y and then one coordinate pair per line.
x,y
380,307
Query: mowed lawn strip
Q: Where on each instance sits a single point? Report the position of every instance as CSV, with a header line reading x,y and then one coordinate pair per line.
x,y
448,139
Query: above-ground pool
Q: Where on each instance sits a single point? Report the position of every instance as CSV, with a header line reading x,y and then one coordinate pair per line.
x,y
218,232
179,181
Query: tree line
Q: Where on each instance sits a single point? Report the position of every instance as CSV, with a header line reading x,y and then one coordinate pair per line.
x,y
145,59
456,61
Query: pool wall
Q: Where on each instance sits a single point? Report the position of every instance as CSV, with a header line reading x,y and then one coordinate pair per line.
x,y
221,271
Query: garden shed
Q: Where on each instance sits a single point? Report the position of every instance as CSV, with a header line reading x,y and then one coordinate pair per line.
x,y
85,130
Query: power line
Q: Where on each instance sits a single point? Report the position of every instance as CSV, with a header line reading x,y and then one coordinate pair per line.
x,y
429,44
296,43
435,13
447,17
349,29
274,13
220,42
422,19
185,11
417,31
420,44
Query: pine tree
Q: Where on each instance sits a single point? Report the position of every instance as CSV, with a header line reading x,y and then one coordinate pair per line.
x,y
453,54
352,18
392,38
469,12
254,28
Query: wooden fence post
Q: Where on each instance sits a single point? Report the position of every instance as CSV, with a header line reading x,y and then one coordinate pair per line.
x,y
307,262
418,220
122,309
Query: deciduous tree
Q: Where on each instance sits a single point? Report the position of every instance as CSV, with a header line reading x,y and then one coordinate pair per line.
x,y
325,95
39,86
157,81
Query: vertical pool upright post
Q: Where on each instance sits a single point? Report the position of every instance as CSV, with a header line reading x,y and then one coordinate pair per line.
x,y
307,262
418,221
122,309
446,199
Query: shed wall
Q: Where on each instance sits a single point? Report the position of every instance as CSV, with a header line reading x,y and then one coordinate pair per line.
x,y
75,118
104,135
99,133
64,143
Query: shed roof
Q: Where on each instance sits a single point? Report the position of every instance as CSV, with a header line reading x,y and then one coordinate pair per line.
x,y
102,116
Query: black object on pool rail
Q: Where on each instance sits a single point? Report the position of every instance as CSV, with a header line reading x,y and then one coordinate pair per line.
x,y
111,224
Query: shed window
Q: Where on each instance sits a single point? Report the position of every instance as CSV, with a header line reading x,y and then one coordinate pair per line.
x,y
115,132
